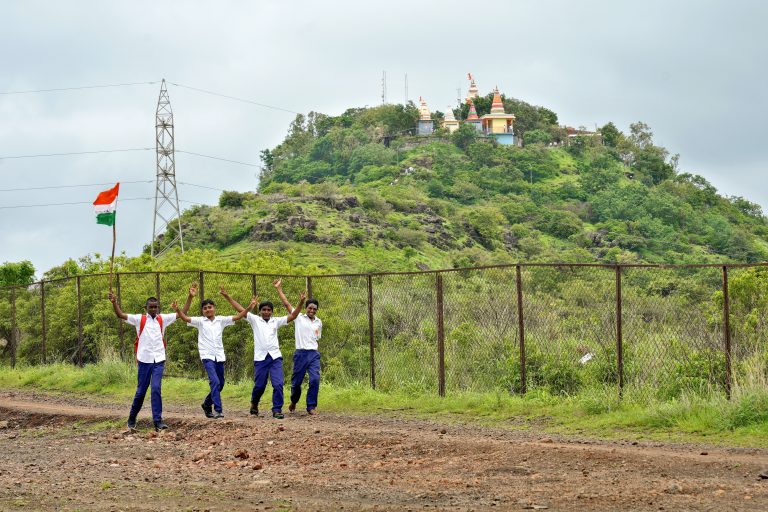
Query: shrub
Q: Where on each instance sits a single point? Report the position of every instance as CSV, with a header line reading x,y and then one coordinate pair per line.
x,y
231,199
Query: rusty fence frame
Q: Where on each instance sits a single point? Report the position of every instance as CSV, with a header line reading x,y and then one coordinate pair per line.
x,y
439,313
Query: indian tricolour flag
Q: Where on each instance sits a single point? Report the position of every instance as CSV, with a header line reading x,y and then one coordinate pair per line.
x,y
105,205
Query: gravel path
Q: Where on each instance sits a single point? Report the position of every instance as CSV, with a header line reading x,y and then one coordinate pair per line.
x,y
60,453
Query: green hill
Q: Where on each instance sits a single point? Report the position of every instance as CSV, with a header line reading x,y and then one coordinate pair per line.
x,y
356,193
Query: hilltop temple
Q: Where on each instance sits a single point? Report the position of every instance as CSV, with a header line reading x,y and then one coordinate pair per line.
x,y
497,124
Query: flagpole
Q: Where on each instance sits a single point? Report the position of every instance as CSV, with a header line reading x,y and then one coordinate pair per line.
x,y
114,239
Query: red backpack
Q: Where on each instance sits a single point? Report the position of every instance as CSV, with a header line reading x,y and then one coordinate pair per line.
x,y
141,329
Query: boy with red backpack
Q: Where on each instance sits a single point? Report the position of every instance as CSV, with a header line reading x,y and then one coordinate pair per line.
x,y
150,355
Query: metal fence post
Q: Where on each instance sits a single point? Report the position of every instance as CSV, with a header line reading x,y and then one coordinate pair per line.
x,y
521,328
440,336
370,331
79,324
727,328
157,287
253,285
309,287
201,292
120,328
14,338
619,334
43,332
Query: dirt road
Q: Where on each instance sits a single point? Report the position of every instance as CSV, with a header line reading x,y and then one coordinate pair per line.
x,y
62,454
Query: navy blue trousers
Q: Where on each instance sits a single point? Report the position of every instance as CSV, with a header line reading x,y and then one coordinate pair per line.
x,y
215,371
272,368
306,361
150,374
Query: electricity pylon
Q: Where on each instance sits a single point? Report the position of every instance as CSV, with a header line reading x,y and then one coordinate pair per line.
x,y
166,224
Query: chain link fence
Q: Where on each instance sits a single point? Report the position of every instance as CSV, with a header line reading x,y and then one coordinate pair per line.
x,y
639,331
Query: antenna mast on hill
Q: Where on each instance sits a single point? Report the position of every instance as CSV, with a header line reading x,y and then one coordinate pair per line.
x,y
166,224
383,87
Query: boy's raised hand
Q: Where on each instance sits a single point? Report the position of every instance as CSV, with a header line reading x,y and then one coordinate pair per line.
x,y
277,282
222,291
112,297
254,301
303,296
193,289
175,305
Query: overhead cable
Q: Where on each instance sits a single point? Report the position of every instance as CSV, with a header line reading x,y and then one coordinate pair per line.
x,y
72,186
65,204
72,153
234,98
59,89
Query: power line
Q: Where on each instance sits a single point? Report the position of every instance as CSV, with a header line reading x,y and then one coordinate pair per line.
x,y
218,158
103,185
234,98
75,153
66,204
130,84
59,89
200,186
71,186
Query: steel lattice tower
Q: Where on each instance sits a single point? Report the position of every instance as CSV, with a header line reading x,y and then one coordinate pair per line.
x,y
166,224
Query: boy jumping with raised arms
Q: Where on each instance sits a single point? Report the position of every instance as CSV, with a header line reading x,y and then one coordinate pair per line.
x,y
150,355
210,344
306,359
267,358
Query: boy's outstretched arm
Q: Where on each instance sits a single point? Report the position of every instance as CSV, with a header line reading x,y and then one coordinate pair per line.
x,y
297,310
118,312
278,284
251,305
232,301
180,313
192,293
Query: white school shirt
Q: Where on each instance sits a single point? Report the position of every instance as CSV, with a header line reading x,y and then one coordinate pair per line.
x,y
307,332
151,348
265,340
209,336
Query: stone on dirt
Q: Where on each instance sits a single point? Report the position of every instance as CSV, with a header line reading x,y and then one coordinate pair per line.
x,y
241,453
200,455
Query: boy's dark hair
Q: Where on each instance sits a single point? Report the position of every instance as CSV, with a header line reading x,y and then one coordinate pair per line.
x,y
206,302
266,303
313,301
151,299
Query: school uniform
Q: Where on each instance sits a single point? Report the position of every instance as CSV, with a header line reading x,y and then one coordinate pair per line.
x,y
210,345
150,355
306,359
267,358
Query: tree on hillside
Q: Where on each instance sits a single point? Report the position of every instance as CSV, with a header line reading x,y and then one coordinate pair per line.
x,y
464,136
17,273
611,135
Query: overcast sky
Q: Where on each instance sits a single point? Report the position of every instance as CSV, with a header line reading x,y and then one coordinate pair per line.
x,y
693,70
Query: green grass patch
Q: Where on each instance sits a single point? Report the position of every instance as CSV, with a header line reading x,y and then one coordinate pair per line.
x,y
596,412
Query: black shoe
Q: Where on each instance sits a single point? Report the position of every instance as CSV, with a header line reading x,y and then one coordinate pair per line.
x,y
160,425
292,407
278,415
254,409
208,411
131,423
217,415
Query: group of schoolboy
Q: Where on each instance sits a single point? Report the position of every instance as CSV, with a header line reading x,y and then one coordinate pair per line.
x,y
267,358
